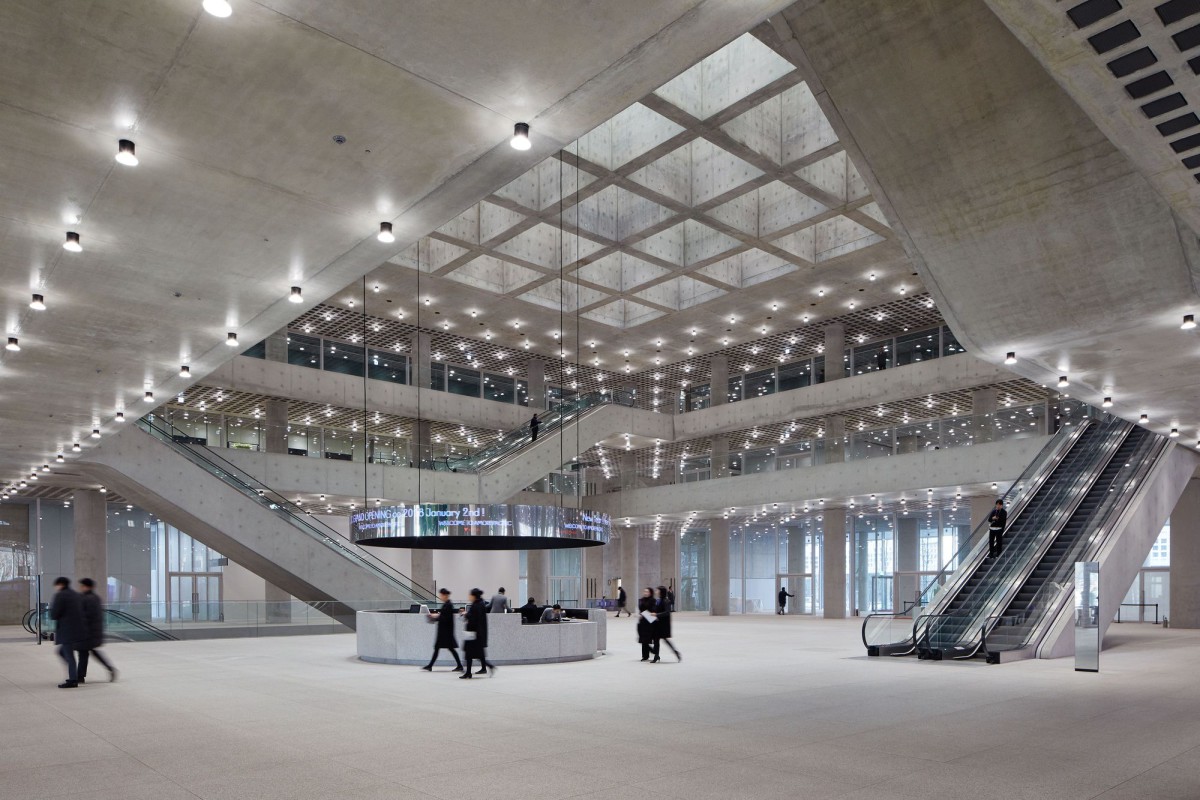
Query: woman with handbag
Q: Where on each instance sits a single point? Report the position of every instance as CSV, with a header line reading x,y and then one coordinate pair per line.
x,y
444,617
646,623
477,632
662,623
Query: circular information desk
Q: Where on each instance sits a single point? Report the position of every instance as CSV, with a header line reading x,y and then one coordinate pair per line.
x,y
403,637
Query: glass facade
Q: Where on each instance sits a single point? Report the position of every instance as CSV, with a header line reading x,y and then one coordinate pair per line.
x,y
766,558
896,555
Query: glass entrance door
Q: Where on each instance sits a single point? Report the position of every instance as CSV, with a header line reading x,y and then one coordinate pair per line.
x,y
194,597
802,587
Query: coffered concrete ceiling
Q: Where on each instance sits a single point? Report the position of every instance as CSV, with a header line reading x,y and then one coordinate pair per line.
x,y
241,191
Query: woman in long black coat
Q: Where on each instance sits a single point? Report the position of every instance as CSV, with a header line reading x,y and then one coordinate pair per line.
x,y
445,632
476,647
645,627
662,623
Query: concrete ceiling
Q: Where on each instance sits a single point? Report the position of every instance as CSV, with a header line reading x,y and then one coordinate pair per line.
x,y
241,191
1031,228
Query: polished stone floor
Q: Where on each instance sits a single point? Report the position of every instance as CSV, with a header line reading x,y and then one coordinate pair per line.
x,y
759,708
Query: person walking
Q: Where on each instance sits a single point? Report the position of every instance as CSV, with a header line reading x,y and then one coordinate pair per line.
x,y
645,625
662,623
997,521
784,594
534,424
66,610
444,617
477,626
93,625
499,603
621,600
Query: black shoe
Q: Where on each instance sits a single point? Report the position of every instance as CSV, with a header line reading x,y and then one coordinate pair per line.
x,y
481,671
464,676
112,676
83,680
647,658
492,670
678,656
428,668
68,684
655,660
457,669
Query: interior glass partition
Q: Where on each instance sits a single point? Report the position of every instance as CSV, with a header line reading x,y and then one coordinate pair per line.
x,y
693,570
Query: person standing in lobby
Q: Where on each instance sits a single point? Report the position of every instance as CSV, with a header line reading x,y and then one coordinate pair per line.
x,y
621,601
444,617
499,603
645,625
477,630
662,623
93,623
784,594
69,633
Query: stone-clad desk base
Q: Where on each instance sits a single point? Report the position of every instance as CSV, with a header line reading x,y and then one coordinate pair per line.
x,y
386,637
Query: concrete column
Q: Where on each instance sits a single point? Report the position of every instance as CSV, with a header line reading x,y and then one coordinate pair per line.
x,y
668,561
535,377
629,567
718,380
91,538
835,436
719,457
983,401
718,568
422,440
629,476
907,559
833,564
276,425
421,572
420,355
835,347
593,573
537,575
277,346
1185,559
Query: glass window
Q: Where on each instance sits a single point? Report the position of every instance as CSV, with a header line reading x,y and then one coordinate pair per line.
x,y
500,388
735,389
344,358
872,358
437,376
914,347
522,393
796,375
693,571
696,398
760,383
384,366
256,351
818,369
460,380
950,344
304,351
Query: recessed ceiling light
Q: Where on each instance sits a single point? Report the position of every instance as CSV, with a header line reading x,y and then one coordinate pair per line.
x,y
45,467
1174,434
231,339
72,243
1189,322
126,153
385,234
218,8
148,397
1063,382
185,371
1010,358
58,459
38,303
520,137
1107,403
1144,418
95,433
75,448
296,296
13,344
120,416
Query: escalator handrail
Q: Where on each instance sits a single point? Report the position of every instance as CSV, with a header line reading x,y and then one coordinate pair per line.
x,y
867,619
229,474
557,416
1000,596
1151,455
137,622
960,567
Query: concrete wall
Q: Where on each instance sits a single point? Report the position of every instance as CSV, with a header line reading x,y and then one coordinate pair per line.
x,y
462,570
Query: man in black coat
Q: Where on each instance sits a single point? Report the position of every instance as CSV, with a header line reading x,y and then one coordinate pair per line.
x,y
69,632
477,627
445,632
93,623
997,521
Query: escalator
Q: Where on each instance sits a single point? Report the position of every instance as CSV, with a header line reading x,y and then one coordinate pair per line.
x,y
119,626
219,504
566,429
